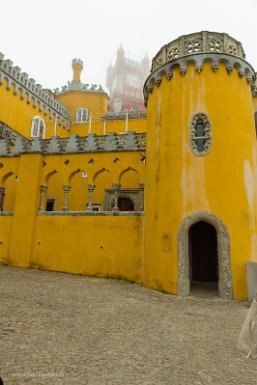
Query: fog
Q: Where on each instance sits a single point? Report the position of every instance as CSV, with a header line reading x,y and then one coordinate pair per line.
x,y
43,37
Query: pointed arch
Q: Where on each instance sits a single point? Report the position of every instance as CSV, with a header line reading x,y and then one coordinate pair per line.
x,y
125,171
72,174
96,175
5,177
225,286
48,176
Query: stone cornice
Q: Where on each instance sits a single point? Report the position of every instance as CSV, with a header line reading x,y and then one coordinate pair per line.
x,y
198,59
112,142
44,98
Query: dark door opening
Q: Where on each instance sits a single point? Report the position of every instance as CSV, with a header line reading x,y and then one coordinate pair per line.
x,y
125,204
50,204
203,253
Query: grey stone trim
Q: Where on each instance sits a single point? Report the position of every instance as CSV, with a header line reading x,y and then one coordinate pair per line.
x,y
45,98
36,145
4,147
54,146
78,86
19,146
224,259
207,133
91,213
198,59
6,214
92,143
199,42
111,143
74,144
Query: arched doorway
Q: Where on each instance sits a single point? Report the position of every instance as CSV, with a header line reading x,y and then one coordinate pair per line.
x,y
203,253
125,204
225,287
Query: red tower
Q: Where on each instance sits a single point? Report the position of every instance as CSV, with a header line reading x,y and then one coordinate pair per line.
x,y
125,82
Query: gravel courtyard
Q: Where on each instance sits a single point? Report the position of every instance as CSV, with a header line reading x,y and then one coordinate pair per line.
x,y
73,330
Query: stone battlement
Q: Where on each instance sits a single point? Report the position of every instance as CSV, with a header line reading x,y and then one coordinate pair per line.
x,y
44,98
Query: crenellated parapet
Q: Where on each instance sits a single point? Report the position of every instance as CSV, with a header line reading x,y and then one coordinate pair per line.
x,y
78,86
44,99
130,141
198,48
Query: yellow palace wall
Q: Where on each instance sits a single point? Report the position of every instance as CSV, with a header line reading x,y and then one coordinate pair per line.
x,y
95,245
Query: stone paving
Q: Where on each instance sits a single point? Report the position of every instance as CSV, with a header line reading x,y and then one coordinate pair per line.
x,y
64,329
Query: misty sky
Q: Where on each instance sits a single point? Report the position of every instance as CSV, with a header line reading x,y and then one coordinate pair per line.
x,y
43,37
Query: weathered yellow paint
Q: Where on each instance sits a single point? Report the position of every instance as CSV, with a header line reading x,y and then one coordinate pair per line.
x,y
178,183
94,101
18,113
96,243
26,205
5,238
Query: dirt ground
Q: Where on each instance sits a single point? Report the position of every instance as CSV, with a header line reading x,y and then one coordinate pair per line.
x,y
64,329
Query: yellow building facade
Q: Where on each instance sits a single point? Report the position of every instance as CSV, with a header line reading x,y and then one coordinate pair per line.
x,y
167,200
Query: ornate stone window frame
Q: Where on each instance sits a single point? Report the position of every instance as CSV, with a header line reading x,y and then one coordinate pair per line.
x,y
225,286
207,134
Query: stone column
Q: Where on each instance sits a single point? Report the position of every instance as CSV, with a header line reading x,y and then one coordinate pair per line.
x,y
2,195
141,196
66,190
116,187
90,188
43,189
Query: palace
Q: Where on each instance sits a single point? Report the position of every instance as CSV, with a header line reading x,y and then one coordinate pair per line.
x,y
166,198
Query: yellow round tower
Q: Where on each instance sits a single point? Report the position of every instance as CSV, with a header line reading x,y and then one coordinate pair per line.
x,y
201,173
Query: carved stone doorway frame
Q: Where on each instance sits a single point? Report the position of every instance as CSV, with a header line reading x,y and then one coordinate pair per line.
x,y
225,286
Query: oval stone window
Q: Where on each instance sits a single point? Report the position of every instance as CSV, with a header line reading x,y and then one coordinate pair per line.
x,y
200,134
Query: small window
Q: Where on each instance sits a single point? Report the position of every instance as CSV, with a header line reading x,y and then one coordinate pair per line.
x,y
50,204
37,128
82,115
200,134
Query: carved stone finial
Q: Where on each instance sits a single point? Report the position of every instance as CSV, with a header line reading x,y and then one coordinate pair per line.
x,y
54,145
19,145
130,141
37,145
111,143
92,143
73,144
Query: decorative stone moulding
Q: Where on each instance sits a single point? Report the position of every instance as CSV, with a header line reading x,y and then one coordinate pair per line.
x,y
74,144
43,98
254,86
198,48
78,86
199,42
